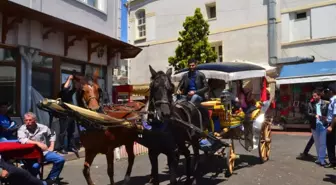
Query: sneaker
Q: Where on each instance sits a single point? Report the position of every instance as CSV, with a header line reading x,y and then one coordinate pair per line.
x,y
330,165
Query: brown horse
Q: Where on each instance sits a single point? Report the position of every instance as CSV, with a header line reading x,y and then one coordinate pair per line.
x,y
105,141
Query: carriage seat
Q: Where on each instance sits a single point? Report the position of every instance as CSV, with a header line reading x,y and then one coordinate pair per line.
x,y
126,111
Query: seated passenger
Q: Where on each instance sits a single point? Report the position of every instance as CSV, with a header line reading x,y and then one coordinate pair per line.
x,y
34,133
241,95
17,176
7,131
193,85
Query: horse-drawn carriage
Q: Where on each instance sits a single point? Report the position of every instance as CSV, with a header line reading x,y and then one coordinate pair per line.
x,y
253,125
130,116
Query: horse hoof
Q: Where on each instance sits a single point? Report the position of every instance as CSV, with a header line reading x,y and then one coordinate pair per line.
x,y
188,182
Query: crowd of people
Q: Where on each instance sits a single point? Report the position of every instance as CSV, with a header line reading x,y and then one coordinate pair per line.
x,y
32,132
322,117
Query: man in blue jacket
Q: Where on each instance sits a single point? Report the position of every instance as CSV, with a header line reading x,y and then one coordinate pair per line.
x,y
317,115
193,84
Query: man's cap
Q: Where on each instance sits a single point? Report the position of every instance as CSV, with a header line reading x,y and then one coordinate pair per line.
x,y
332,87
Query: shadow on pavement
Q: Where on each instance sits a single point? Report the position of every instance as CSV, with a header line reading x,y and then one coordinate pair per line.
x,y
246,161
215,166
309,158
136,180
330,178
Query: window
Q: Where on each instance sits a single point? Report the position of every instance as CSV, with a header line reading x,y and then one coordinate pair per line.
x,y
299,26
301,15
218,48
141,24
220,53
92,3
211,10
98,4
8,80
42,81
42,75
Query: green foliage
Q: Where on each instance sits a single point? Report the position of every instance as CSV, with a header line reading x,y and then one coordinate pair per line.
x,y
193,42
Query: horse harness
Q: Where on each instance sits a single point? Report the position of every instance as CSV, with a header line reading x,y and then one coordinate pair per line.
x,y
192,129
186,109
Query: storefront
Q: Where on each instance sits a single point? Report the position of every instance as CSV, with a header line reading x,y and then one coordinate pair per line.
x,y
121,94
140,92
295,85
40,51
10,77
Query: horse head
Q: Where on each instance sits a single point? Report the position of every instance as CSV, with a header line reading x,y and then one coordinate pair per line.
x,y
88,91
161,93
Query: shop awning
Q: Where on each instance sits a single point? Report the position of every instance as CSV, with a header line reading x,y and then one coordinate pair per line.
x,y
309,72
140,90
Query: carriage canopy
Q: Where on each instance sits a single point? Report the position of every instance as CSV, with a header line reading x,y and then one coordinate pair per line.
x,y
228,71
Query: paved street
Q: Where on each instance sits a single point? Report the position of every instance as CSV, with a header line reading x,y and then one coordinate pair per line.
x,y
282,169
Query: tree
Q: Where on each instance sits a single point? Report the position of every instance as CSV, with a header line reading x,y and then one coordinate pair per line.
x,y
193,42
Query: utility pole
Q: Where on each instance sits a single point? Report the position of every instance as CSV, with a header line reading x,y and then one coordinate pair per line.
x,y
273,59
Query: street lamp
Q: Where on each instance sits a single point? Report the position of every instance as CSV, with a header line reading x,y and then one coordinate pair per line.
x,y
100,52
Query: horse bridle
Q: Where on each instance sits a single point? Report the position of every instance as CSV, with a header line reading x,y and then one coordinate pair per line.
x,y
86,103
156,103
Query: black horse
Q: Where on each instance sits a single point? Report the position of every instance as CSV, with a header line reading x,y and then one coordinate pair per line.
x,y
177,120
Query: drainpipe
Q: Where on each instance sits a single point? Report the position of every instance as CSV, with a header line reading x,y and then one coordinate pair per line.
x,y
272,33
273,41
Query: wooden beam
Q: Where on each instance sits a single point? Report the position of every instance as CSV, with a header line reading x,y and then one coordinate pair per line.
x,y
7,26
47,32
68,43
92,49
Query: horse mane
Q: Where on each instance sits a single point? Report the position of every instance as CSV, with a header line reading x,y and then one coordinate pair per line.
x,y
160,74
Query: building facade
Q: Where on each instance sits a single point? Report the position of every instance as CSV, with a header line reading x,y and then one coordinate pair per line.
x,y
238,30
42,42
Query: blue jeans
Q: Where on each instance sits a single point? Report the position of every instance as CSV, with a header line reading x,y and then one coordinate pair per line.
x,y
58,163
195,99
320,137
3,139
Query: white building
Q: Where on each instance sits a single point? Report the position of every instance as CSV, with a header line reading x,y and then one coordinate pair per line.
x,y
238,30
42,42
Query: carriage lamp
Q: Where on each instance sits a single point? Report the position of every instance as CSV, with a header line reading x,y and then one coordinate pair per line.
x,y
226,98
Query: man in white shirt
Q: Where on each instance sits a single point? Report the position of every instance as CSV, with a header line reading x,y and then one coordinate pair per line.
x,y
34,133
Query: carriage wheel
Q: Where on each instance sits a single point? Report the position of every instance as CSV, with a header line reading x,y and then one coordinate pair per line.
x,y
265,139
230,158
